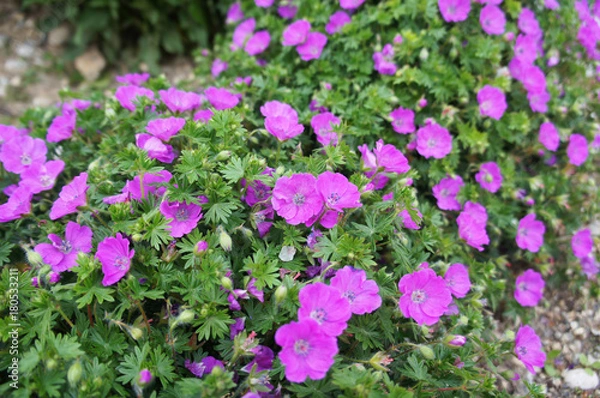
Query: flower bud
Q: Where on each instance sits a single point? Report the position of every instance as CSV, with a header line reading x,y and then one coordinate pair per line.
x,y
510,335
74,373
200,248
136,333
427,352
145,377
380,360
186,316
225,240
34,258
453,53
35,282
51,364
136,237
455,341
424,54
280,294
223,155
226,283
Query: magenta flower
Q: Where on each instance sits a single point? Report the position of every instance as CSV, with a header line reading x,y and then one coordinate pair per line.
x,y
218,66
528,348
70,197
551,4
530,234
425,296
258,43
128,96
323,125
445,192
204,367
296,198
184,217
263,358
529,288
362,294
281,120
454,10
221,98
577,150
471,225
312,47
325,305
306,350
165,128
134,79
8,132
20,152
263,220
155,147
336,22
384,60
62,127
61,255
534,79
234,13
351,4
115,257
19,203
526,49
243,33
489,177
434,141
203,115
582,243
41,177
549,136
407,220
589,266
384,156
296,33
337,192
528,24
538,101
264,3
403,120
132,189
179,100
492,102
457,280
287,10
492,20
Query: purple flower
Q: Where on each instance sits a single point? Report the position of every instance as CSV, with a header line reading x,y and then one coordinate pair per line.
x,y
384,60
203,115
577,150
445,192
115,256
144,377
422,103
155,148
264,3
351,4
243,33
589,266
132,189
258,42
296,198
312,47
434,141
528,24
204,367
530,234
237,327
533,79
281,120
221,98
128,96
407,220
425,296
492,102
492,20
454,10
471,225
234,13
263,358
528,348
218,66
165,128
457,280
362,294
134,79
403,120
529,288
179,100
306,350
296,33
325,305
489,177
385,156
551,4
61,255
582,243
337,20
62,127
337,192
20,152
71,196
287,11
19,203
41,177
184,217
323,125
538,101
549,136
457,341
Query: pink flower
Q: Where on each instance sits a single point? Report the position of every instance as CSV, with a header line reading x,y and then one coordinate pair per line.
x,y
155,147
589,266
538,101
385,156
489,177
325,305
62,127
362,294
337,20
234,13
296,198
492,102
221,98
534,79
306,350
407,220
530,234
403,120
454,10
384,60
551,4
296,33
70,197
529,288
165,128
528,348
115,256
264,3
281,120
492,20
243,33
549,136
434,141
134,79
19,203
312,47
582,243
528,24
20,152
204,367
287,11
41,177
257,191
337,192
577,150
351,4
132,189
128,96
445,192
457,280
425,296
457,341
179,100
323,125
203,115
8,132
218,66
258,43
184,217
61,255
471,225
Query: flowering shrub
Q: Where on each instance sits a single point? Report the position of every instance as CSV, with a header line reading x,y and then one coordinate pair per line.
x,y
324,214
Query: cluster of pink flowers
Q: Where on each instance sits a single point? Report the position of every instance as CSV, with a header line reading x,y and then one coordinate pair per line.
x,y
309,45
281,120
253,43
589,30
582,245
384,60
159,132
471,225
310,345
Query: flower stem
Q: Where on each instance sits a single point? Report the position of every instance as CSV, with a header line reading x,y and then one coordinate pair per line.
x,y
139,306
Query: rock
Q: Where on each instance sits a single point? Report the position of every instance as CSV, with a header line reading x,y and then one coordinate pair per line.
x,y
58,36
90,64
25,50
15,65
579,378
3,40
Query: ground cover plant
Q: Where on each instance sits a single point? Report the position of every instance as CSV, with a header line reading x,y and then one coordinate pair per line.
x,y
342,205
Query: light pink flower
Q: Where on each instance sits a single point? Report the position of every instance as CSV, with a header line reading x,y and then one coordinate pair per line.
x,y
434,141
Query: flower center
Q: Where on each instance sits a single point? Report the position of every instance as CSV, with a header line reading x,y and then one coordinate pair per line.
x,y
522,350
181,215
523,286
301,347
299,199
431,143
333,198
46,180
444,193
450,282
121,262
418,296
25,159
65,247
349,295
319,315
488,177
